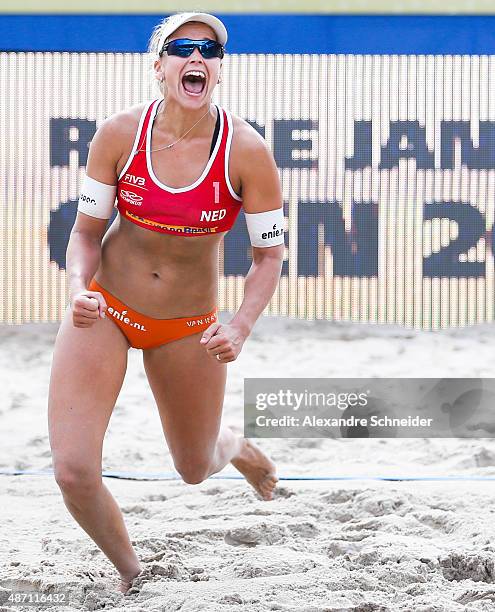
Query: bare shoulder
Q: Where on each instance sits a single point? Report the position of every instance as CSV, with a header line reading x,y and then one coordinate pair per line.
x,y
117,133
254,167
250,156
112,144
246,140
122,125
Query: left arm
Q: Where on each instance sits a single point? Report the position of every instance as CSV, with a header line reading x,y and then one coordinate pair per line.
x,y
259,286
261,192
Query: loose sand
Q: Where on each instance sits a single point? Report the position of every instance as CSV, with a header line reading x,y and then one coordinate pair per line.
x,y
319,546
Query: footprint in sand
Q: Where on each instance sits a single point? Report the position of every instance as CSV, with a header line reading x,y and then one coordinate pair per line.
x,y
261,533
468,566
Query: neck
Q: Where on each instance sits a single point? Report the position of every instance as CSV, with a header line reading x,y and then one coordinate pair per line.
x,y
174,120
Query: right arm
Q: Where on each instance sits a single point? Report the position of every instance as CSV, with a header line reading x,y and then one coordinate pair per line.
x,y
84,248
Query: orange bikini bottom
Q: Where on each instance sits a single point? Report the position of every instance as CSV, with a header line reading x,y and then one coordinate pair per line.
x,y
144,332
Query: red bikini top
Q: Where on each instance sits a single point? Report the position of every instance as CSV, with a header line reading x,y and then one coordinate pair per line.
x,y
208,206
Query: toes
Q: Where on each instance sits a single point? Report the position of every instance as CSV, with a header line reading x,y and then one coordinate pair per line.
x,y
270,480
267,486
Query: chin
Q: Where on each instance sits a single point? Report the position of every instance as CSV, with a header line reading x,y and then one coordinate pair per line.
x,y
194,101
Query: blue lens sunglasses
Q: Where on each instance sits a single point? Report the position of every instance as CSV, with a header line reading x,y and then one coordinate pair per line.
x,y
184,47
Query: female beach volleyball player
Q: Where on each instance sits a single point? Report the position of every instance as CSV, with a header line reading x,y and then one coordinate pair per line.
x,y
181,169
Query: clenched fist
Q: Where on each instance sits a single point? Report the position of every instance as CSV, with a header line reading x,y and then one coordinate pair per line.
x,y
87,307
222,341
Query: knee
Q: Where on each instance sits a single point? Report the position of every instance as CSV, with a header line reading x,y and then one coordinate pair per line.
x,y
76,480
193,472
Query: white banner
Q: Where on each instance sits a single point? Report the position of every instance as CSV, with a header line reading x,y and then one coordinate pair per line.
x,y
387,166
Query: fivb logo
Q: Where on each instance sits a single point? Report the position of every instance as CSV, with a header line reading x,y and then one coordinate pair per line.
x,y
213,215
139,181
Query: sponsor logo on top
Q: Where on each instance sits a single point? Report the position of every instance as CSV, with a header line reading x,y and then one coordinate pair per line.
x,y
136,181
131,197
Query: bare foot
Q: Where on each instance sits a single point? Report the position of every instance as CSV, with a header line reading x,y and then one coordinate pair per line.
x,y
126,580
257,469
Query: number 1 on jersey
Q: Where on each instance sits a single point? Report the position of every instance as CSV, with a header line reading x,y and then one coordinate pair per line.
x,y
216,187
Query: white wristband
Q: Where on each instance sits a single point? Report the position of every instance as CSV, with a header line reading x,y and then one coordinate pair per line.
x,y
266,228
96,199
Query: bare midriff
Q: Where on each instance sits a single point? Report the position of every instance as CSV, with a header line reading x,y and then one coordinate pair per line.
x,y
160,275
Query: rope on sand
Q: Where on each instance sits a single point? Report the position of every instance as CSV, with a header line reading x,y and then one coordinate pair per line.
x,y
175,476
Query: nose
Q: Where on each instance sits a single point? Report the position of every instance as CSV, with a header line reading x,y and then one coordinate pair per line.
x,y
196,56
196,61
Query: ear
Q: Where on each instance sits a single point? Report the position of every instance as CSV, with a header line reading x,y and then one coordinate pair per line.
x,y
157,66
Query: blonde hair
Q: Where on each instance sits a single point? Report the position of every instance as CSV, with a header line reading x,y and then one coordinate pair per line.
x,y
154,47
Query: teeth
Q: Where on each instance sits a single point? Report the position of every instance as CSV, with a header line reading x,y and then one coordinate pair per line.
x,y
198,73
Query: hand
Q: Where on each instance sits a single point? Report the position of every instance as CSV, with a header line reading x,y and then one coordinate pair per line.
x,y
87,307
223,342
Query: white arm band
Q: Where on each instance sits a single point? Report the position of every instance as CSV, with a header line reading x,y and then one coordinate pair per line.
x,y
96,199
266,229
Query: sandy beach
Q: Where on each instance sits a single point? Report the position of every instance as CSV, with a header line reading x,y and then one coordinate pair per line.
x,y
358,545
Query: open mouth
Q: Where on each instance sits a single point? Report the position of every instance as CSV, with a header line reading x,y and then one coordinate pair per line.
x,y
194,82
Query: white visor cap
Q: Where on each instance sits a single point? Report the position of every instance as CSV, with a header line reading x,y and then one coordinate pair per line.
x,y
175,21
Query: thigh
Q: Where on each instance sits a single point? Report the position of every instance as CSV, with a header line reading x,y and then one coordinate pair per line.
x,y
87,372
189,387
